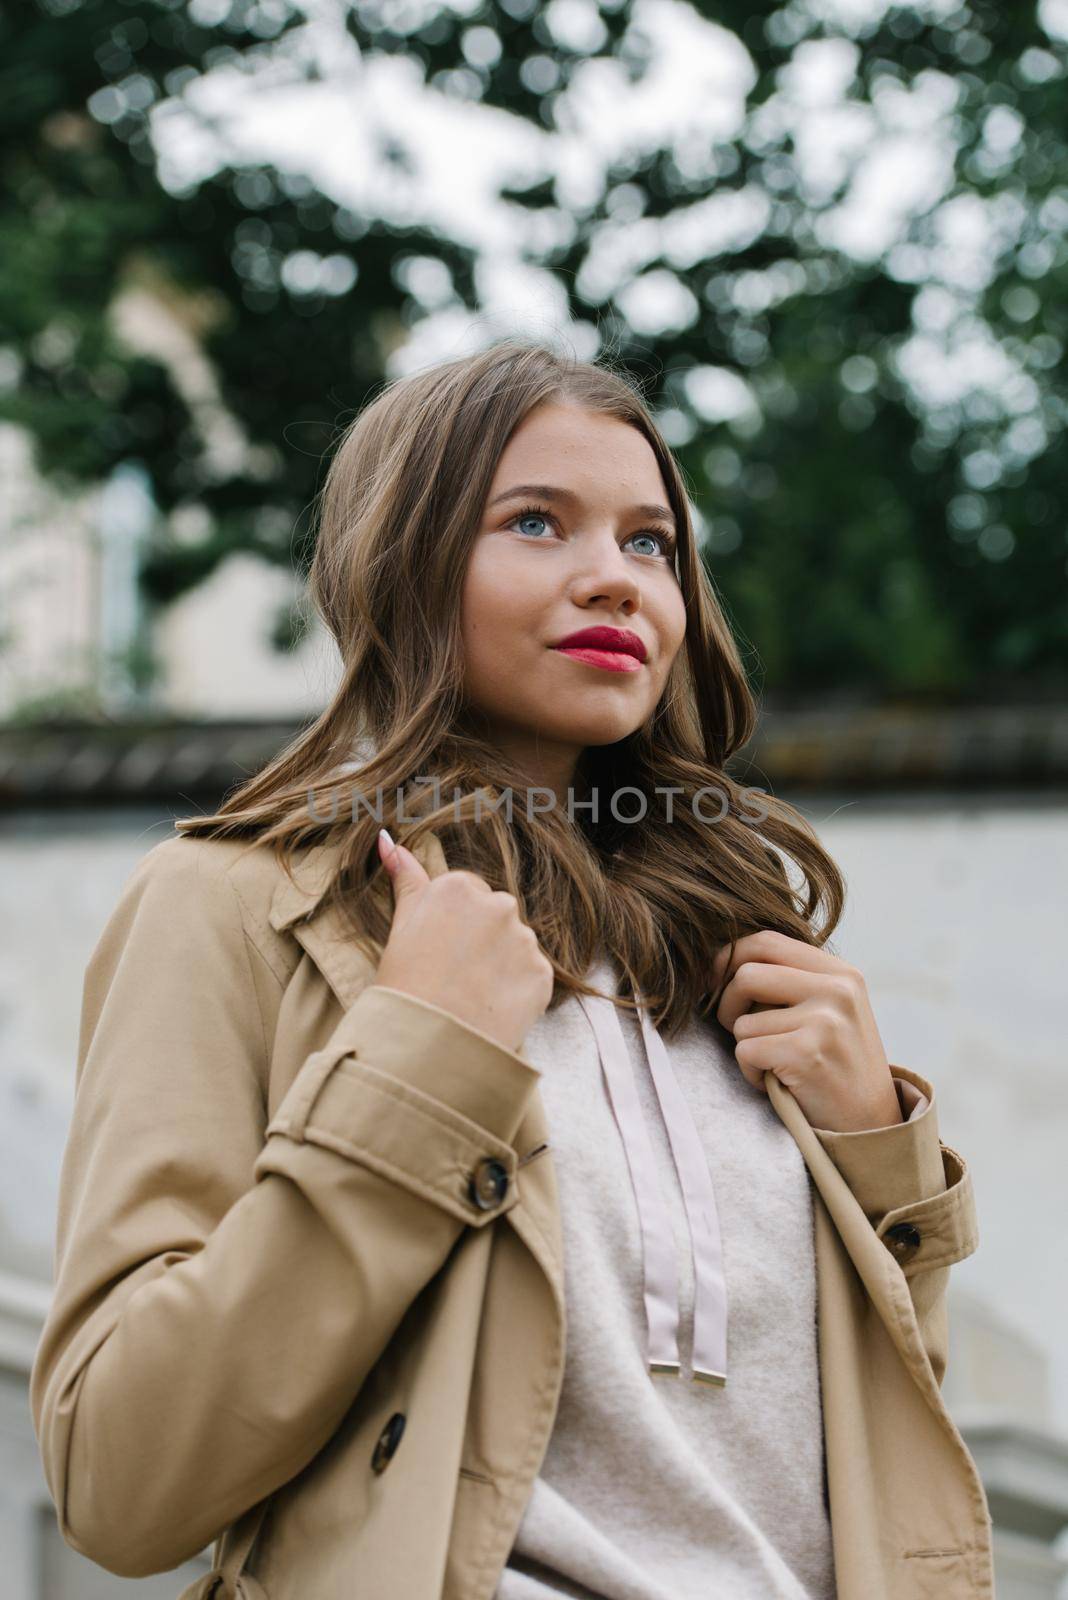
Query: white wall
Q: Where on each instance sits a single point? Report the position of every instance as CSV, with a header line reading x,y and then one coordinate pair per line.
x,y
956,917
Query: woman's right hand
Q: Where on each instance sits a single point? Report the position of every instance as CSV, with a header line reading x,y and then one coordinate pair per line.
x,y
461,945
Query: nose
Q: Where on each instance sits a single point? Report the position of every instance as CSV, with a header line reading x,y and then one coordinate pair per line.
x,y
602,572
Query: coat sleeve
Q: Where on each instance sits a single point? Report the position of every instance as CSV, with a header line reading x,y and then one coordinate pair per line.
x,y
917,1194
222,1286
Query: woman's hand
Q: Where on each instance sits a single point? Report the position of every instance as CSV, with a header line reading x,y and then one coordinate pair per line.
x,y
463,946
804,1016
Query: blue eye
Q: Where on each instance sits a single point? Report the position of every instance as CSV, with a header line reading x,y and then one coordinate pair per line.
x,y
667,540
522,516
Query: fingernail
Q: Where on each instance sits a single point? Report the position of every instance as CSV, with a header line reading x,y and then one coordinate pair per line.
x,y
386,846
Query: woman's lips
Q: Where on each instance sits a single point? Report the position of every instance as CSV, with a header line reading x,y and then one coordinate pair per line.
x,y
610,660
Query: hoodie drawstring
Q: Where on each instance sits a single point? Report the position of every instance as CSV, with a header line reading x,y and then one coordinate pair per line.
x,y
658,1243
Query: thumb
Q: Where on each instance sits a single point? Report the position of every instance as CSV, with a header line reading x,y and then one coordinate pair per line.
x,y
406,873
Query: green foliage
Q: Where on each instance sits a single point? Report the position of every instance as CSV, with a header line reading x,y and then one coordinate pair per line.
x,y
86,218
862,533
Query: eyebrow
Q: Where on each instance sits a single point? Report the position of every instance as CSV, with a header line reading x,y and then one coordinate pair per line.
x,y
569,497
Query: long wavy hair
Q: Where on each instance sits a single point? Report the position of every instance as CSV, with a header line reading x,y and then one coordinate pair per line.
x,y
397,515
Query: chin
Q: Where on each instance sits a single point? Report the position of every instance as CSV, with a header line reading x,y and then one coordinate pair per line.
x,y
595,731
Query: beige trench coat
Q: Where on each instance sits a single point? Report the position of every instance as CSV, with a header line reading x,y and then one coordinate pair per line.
x,y
278,1294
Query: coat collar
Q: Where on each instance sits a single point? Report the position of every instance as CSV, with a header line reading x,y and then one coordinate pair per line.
x,y
297,908
293,901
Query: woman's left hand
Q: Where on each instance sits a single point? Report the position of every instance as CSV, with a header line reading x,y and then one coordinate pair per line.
x,y
811,1025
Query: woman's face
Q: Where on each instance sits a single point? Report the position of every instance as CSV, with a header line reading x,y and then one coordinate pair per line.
x,y
598,551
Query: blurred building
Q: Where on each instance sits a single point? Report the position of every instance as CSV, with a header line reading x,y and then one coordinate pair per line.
x,y
947,823
74,634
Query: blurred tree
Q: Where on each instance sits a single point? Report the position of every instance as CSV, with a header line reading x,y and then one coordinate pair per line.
x,y
871,422
293,299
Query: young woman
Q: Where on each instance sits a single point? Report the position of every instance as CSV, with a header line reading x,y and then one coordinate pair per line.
x,y
528,1209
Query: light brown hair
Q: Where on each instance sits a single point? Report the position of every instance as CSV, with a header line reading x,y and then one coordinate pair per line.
x,y
399,510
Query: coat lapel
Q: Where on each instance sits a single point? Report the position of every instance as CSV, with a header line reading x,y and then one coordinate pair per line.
x,y
880,1274
296,907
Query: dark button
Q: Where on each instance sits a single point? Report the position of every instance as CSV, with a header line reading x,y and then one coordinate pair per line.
x,y
388,1440
489,1184
903,1240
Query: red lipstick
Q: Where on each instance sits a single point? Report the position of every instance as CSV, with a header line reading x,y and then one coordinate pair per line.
x,y
614,649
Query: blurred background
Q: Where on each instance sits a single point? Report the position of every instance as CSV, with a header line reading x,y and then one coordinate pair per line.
x,y
830,237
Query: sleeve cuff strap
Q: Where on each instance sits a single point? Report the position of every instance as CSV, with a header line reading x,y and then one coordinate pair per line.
x,y
430,1049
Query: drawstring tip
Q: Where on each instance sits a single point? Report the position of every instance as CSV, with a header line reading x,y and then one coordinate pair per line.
x,y
670,1368
717,1379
